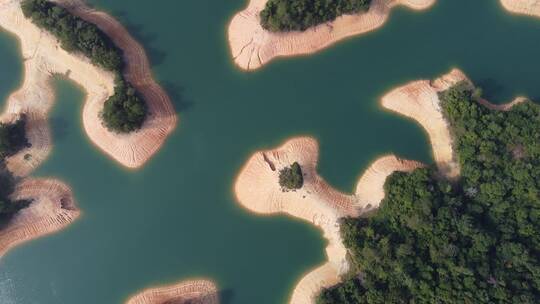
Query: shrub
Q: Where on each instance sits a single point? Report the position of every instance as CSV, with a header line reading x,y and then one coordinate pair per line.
x,y
124,111
291,178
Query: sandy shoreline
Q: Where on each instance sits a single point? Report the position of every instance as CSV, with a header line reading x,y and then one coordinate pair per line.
x,y
134,149
524,7
185,292
252,46
44,58
53,208
419,101
257,189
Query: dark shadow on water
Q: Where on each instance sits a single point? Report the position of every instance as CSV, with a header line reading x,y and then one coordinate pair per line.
x,y
60,128
155,55
226,296
176,93
492,90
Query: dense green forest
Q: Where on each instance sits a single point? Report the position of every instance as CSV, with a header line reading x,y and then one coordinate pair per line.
x,y
474,240
125,111
299,15
291,178
12,137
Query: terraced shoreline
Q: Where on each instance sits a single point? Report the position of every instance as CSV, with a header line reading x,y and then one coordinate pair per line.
x,y
252,46
53,206
198,291
257,189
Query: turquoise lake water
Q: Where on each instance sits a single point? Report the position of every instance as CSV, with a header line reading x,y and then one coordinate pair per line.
x,y
177,218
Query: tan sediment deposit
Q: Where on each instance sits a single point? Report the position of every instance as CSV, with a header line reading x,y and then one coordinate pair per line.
x,y
525,7
186,292
257,188
252,46
44,57
419,100
52,209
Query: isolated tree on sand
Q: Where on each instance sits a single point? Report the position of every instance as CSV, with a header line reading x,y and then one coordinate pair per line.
x,y
291,178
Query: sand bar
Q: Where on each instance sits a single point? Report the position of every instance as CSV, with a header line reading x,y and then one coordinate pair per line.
x,y
252,46
186,292
52,209
524,7
44,58
257,189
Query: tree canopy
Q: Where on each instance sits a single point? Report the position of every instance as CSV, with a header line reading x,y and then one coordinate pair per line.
x,y
474,240
291,178
299,15
12,137
124,111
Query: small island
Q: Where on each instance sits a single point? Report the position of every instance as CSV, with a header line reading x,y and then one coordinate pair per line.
x,y
185,292
267,29
524,7
285,180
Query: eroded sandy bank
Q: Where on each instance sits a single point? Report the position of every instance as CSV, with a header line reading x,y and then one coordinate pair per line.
x,y
44,57
186,292
252,46
52,209
257,189
419,101
524,7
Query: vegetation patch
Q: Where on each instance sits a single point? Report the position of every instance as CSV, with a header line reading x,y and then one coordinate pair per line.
x,y
299,15
475,240
291,178
12,137
8,207
123,112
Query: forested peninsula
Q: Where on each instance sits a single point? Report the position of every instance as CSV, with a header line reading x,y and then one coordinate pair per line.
x,y
470,240
125,111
